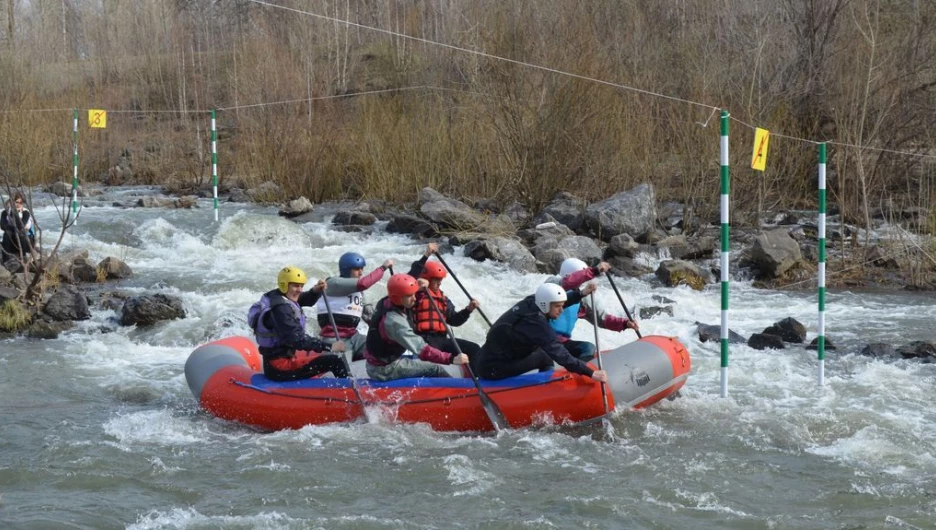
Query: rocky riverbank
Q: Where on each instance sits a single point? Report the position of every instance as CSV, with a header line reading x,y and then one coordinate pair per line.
x,y
629,230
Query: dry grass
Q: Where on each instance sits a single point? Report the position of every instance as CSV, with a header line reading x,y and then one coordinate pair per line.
x,y
498,129
13,316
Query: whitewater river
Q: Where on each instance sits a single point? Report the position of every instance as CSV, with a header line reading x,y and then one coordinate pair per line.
x,y
99,429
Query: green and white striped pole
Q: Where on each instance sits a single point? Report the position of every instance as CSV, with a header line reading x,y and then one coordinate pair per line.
x,y
75,163
725,251
214,162
820,340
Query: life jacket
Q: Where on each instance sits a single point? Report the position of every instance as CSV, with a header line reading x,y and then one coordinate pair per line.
x,y
378,345
566,321
256,318
347,311
425,317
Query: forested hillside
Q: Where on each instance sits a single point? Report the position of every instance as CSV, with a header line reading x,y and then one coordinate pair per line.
x,y
505,99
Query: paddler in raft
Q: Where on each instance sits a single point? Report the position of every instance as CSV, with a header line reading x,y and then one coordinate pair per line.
x,y
429,323
572,274
279,325
346,298
391,335
522,340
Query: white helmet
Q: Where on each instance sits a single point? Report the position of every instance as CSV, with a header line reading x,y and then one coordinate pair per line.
x,y
571,265
547,294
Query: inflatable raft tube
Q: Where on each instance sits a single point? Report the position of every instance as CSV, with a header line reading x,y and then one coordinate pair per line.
x,y
226,378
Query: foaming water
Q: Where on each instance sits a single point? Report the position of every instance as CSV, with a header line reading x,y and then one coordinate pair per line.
x,y
125,446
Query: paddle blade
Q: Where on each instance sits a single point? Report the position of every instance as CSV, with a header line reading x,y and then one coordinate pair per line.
x,y
493,411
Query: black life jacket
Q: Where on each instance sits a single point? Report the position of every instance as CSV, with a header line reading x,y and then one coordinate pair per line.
x,y
379,345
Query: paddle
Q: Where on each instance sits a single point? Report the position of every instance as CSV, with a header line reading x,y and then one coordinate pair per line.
x,y
331,320
493,412
446,265
626,311
604,393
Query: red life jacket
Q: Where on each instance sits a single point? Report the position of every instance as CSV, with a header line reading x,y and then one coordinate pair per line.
x,y
427,320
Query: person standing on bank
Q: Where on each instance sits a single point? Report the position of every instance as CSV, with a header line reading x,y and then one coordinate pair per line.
x,y
391,335
279,324
522,340
572,274
429,323
346,299
17,225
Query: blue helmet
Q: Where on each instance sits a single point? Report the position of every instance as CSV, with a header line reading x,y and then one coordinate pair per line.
x,y
348,261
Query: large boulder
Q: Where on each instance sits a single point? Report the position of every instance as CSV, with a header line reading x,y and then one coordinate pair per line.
x,y
149,309
681,247
449,213
565,209
296,207
622,245
766,341
878,349
505,250
67,303
918,349
351,218
83,270
8,292
627,212
409,224
517,213
789,329
827,345
676,272
628,267
775,252
552,252
709,332
45,329
114,269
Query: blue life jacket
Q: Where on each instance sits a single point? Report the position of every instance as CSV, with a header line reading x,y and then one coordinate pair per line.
x,y
256,318
566,321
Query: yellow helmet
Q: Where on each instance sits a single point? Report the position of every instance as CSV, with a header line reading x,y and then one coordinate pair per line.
x,y
288,275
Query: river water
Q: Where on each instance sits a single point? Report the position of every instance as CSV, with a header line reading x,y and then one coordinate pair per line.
x,y
99,429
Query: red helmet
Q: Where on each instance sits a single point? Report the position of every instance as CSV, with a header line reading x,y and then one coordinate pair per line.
x,y
433,270
401,285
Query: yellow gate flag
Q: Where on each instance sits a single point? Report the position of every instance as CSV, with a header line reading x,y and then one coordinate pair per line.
x,y
761,141
97,118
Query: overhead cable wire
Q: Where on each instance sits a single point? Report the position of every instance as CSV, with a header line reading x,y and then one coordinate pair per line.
x,y
319,98
498,58
833,142
35,110
487,55
265,104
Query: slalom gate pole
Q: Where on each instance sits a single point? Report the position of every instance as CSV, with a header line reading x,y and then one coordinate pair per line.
x,y
725,250
820,340
75,164
214,162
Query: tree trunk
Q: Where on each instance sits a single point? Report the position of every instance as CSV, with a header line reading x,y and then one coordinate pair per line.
x,y
11,23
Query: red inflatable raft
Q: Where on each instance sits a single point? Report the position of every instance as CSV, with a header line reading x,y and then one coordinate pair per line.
x,y
226,377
